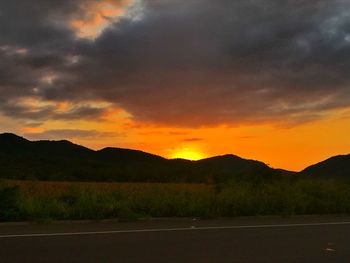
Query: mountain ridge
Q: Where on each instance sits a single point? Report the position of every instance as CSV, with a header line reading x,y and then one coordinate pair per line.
x,y
21,158
336,166
63,160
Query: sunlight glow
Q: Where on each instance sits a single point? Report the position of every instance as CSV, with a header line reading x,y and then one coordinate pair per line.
x,y
188,154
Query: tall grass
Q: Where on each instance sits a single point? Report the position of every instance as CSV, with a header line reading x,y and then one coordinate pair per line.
x,y
41,201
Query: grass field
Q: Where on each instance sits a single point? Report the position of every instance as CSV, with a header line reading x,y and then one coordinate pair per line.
x,y
33,200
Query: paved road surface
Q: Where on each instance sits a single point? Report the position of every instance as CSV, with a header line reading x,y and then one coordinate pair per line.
x,y
299,239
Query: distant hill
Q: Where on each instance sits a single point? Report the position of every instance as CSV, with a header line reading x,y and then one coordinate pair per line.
x,y
337,166
65,161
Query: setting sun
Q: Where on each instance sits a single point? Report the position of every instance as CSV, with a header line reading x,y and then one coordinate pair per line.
x,y
188,154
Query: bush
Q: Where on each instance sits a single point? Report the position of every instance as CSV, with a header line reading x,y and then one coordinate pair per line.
x,y
132,201
9,202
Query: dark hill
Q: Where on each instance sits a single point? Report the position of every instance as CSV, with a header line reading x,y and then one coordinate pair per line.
x,y
230,162
125,155
63,160
11,143
337,166
222,166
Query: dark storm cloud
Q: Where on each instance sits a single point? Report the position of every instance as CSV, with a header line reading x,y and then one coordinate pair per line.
x,y
185,63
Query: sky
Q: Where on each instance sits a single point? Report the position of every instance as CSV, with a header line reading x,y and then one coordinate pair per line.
x,y
263,79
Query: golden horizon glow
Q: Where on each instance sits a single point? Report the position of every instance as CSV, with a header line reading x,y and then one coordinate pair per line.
x,y
187,153
292,148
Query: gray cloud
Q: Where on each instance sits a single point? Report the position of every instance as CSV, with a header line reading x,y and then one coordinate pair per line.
x,y
185,63
69,134
40,114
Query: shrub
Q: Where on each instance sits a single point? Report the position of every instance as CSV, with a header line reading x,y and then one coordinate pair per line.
x,y
9,202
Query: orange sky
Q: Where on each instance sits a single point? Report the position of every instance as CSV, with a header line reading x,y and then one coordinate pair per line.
x,y
291,148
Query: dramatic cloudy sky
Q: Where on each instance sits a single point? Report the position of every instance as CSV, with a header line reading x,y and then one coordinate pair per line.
x,y
264,79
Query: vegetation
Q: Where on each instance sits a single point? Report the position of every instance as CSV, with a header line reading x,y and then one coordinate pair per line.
x,y
59,200
221,186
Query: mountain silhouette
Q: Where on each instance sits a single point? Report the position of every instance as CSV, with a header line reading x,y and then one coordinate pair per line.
x,y
337,166
65,161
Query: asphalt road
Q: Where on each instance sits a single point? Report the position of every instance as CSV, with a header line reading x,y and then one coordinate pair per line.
x,y
299,239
